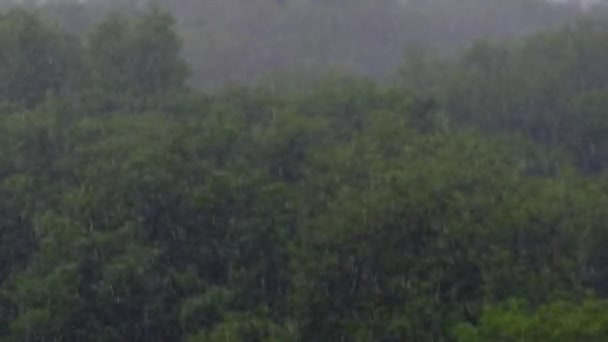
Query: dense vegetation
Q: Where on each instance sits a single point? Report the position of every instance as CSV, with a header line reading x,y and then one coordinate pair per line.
x,y
292,42
467,202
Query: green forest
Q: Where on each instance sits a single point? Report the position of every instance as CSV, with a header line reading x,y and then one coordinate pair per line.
x,y
465,199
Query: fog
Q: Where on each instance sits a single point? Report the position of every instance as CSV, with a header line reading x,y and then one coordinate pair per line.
x,y
272,40
303,170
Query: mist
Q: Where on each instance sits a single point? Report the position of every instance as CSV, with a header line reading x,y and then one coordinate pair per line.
x,y
304,170
273,40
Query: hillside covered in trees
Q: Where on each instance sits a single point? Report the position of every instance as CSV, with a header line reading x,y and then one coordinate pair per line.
x,y
463,201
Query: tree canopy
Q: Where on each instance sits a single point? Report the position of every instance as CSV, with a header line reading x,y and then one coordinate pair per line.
x,y
464,202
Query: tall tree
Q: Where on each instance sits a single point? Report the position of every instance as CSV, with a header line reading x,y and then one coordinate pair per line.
x,y
136,62
36,59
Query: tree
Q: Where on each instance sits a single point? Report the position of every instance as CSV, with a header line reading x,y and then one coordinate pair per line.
x,y
36,59
135,63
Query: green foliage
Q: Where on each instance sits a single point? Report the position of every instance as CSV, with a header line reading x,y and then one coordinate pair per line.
x,y
549,87
557,321
134,63
36,59
135,209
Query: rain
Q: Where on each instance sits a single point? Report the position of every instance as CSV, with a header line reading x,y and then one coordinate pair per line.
x,y
303,170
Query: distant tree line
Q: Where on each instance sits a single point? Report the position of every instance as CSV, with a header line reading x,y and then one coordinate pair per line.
x,y
264,41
